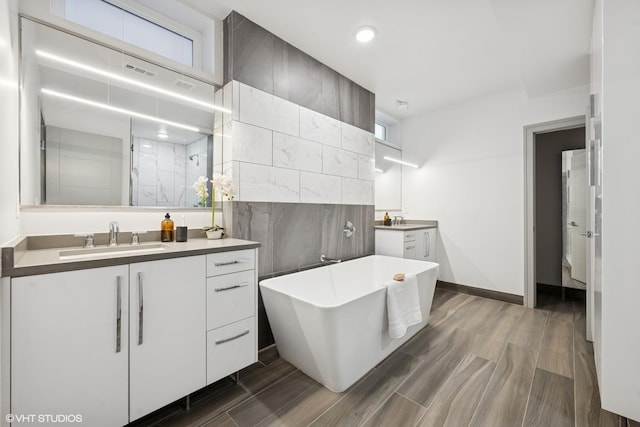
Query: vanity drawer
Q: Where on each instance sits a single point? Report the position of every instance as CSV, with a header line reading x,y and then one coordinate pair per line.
x,y
409,236
230,297
230,262
230,349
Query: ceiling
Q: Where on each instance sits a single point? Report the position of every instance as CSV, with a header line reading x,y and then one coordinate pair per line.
x,y
433,53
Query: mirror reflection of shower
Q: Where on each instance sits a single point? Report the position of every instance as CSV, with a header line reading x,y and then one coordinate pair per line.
x,y
197,157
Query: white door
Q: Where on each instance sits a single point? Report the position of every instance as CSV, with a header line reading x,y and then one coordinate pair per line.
x,y
577,215
69,345
168,332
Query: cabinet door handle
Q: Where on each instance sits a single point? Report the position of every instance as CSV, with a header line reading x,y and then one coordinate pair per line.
x,y
427,245
239,285
235,337
118,313
140,310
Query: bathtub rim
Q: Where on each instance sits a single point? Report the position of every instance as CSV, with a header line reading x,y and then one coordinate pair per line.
x,y
325,307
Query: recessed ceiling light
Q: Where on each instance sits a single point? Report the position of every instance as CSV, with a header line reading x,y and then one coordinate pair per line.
x,y
365,34
163,135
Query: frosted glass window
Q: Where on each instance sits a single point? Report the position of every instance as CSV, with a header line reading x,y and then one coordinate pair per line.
x,y
380,131
113,21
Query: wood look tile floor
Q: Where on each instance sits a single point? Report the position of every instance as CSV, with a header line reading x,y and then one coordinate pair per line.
x,y
479,362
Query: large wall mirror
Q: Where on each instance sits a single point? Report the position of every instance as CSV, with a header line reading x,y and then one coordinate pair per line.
x,y
388,178
101,127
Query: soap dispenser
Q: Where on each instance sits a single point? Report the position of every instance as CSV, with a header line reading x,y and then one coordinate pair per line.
x,y
166,229
387,219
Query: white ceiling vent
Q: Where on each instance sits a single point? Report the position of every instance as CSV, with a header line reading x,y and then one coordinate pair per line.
x,y
139,70
183,84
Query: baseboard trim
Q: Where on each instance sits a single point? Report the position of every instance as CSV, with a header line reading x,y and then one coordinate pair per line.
x,y
485,293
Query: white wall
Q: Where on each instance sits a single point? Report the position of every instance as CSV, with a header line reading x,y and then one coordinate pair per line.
x,y
471,179
8,171
620,370
8,120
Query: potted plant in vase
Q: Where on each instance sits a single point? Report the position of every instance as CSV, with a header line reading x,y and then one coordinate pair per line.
x,y
219,183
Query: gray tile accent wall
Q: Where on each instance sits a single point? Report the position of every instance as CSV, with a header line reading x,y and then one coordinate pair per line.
x,y
294,235
258,58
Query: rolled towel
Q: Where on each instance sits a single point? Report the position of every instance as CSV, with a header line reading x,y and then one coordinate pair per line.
x,y
403,305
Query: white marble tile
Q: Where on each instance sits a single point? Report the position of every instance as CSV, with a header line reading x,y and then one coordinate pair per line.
x,y
148,146
165,189
366,168
296,153
358,140
218,116
319,188
227,142
179,196
336,161
230,99
320,128
357,192
260,183
217,145
232,170
147,195
166,157
147,169
250,143
271,112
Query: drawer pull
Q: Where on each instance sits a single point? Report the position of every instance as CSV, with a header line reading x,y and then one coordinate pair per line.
x,y
222,341
239,285
410,247
222,264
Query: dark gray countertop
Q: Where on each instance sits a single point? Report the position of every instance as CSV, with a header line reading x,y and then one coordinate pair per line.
x,y
407,225
19,261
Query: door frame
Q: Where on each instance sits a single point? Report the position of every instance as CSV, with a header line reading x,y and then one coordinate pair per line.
x,y
530,133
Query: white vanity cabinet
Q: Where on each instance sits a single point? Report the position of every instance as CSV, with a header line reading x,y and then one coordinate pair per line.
x,y
71,330
167,347
70,345
419,243
232,341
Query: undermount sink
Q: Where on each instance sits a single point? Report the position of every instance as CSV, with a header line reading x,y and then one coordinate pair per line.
x,y
112,250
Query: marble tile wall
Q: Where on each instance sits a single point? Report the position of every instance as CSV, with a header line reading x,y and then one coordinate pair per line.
x,y
277,151
260,59
162,173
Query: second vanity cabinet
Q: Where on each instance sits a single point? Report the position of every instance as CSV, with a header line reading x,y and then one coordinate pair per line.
x,y
415,243
115,343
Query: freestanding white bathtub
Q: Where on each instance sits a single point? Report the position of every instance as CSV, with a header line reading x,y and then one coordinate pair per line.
x,y
331,322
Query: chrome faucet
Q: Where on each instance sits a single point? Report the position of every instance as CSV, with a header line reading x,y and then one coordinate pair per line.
x,y
324,258
397,219
114,228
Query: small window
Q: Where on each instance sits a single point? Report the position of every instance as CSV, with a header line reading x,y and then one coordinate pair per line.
x,y
116,22
381,131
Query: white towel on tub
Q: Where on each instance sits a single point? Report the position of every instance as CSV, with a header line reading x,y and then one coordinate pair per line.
x,y
403,305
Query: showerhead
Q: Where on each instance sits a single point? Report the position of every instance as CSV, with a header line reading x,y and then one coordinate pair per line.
x,y
197,157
